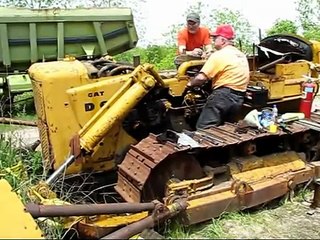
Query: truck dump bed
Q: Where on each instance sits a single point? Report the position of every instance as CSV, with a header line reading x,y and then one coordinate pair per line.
x,y
28,36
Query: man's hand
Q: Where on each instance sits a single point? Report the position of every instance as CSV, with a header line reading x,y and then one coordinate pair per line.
x,y
197,52
187,88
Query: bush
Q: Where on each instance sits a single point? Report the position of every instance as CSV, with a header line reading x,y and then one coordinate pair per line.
x,y
160,56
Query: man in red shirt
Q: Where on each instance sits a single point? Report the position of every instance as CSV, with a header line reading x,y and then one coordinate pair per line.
x,y
194,40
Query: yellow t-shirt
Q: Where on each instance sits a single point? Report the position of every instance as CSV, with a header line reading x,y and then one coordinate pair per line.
x,y
228,67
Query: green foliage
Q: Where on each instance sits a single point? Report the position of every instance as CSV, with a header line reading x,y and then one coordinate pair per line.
x,y
17,167
171,35
313,33
283,26
66,3
174,230
23,105
36,4
161,56
309,12
215,230
244,32
200,8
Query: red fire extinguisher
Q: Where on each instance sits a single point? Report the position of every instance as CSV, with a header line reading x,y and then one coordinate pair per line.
x,y
309,89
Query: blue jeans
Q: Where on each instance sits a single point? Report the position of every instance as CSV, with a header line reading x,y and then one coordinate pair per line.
x,y
222,105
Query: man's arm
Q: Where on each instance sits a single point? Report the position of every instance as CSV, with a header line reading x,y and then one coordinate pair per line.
x,y
205,73
194,52
198,80
182,42
182,49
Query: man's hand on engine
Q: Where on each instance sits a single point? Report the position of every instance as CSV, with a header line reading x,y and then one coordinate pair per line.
x,y
198,80
197,52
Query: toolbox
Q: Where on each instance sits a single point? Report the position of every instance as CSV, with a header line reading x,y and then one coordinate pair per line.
x,y
256,96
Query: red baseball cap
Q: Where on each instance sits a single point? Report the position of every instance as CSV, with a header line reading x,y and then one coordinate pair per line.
x,y
224,30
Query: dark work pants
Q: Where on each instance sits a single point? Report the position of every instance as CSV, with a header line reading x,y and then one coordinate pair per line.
x,y
222,105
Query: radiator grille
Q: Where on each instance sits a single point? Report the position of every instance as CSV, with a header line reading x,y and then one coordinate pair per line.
x,y
42,125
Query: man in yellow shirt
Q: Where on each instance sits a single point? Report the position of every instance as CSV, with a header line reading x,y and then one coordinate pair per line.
x,y
228,69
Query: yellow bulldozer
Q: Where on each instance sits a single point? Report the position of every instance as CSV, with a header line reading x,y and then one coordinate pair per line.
x,y
133,128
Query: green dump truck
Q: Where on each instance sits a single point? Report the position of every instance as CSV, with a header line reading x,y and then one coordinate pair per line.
x,y
28,36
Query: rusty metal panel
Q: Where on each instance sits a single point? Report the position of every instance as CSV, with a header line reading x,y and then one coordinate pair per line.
x,y
127,190
135,170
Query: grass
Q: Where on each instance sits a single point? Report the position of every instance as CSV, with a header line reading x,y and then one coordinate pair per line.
x,y
22,109
20,168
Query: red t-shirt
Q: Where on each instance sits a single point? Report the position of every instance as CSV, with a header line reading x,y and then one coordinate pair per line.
x,y
192,41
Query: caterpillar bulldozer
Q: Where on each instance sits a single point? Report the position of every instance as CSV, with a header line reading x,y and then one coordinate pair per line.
x,y
134,126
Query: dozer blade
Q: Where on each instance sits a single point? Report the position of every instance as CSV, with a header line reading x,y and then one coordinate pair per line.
x,y
278,176
15,222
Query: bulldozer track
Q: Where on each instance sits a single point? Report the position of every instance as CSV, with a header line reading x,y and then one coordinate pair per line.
x,y
144,157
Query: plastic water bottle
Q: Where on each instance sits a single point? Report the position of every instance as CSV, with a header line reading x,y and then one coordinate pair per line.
x,y
274,113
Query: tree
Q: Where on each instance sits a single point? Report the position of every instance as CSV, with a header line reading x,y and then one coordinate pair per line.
x,y
171,35
283,26
35,4
309,12
244,32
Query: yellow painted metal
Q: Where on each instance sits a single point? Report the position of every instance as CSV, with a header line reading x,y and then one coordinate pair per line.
x,y
275,86
68,103
113,220
253,181
114,111
186,65
221,200
177,84
66,99
98,226
15,222
316,51
293,70
189,186
249,169
286,81
139,83
255,169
